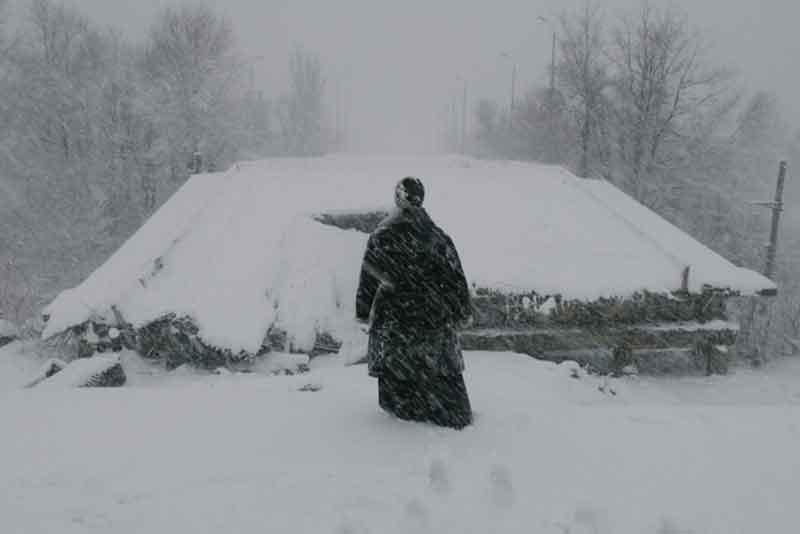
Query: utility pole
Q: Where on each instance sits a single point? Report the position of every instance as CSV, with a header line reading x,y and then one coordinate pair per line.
x,y
554,147
546,20
251,61
252,79
553,72
337,128
777,208
513,87
464,120
512,101
756,327
453,133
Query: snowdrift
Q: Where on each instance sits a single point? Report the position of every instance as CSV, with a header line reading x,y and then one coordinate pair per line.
x,y
241,251
552,451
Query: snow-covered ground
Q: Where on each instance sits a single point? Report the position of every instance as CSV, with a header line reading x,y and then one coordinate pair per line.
x,y
190,452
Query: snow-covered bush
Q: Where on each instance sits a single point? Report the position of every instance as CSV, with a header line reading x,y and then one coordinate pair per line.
x,y
8,332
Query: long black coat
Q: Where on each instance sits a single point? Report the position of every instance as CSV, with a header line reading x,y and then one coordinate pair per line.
x,y
413,291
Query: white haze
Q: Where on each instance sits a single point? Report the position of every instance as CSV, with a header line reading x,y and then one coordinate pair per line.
x,y
398,65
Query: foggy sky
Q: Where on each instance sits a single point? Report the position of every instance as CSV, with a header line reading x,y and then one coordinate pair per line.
x,y
399,63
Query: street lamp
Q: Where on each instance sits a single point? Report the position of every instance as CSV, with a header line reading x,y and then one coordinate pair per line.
x,y
463,116
513,85
545,20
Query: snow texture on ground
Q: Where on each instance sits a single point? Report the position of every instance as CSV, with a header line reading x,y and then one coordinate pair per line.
x,y
239,251
312,453
18,363
8,329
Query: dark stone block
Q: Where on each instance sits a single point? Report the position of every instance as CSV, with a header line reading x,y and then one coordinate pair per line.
x,y
175,341
496,309
114,376
52,367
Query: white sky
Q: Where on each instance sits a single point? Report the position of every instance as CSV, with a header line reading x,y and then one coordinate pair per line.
x,y
398,63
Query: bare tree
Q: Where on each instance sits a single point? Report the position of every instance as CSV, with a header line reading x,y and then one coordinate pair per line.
x,y
59,32
7,43
91,129
303,113
194,74
583,76
541,131
661,84
51,156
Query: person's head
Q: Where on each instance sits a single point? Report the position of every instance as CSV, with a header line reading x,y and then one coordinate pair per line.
x,y
409,192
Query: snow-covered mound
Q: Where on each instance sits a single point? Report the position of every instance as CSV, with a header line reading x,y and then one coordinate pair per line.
x,y
86,372
48,369
313,453
8,330
18,364
240,251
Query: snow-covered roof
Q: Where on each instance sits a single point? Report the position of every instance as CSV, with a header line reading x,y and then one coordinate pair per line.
x,y
239,251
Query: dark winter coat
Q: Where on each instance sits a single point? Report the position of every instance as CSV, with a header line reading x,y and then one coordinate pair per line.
x,y
413,291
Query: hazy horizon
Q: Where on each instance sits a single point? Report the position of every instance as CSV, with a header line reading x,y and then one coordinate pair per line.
x,y
398,65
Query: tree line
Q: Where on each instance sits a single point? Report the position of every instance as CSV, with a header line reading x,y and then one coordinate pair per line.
x,y
96,131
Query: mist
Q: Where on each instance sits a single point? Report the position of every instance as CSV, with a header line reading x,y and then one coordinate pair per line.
x,y
397,66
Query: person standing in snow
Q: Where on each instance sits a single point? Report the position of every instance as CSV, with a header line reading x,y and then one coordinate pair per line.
x,y
414,295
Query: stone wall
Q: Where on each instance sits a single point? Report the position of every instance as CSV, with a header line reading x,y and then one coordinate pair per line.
x,y
645,330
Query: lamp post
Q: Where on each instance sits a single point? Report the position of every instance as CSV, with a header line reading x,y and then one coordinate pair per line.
x,y
555,148
513,86
546,20
252,72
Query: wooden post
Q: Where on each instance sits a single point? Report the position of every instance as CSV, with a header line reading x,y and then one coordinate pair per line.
x,y
777,208
197,162
755,332
685,279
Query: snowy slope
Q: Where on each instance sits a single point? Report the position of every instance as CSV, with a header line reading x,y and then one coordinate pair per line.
x,y
548,454
18,365
706,266
8,329
239,251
